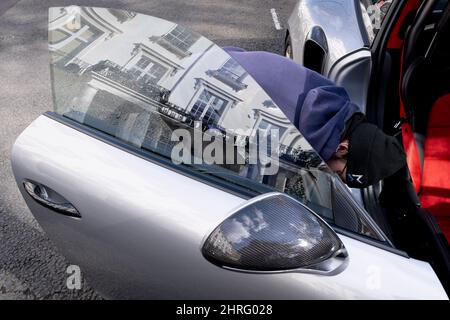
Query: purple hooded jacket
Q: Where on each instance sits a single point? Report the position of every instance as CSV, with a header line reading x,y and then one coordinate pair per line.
x,y
314,104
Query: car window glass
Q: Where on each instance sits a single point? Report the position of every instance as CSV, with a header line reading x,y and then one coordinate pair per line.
x,y
168,91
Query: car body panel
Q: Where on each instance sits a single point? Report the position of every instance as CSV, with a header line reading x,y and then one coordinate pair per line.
x,y
353,73
142,227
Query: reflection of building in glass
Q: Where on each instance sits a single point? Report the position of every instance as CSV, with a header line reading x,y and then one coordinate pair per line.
x,y
231,73
211,102
122,15
208,107
178,41
154,75
76,30
146,62
148,70
137,78
281,254
223,247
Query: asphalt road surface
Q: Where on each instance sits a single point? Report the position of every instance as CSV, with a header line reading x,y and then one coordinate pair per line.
x,y
30,265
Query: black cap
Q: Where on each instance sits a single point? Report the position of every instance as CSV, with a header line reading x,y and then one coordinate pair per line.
x,y
372,155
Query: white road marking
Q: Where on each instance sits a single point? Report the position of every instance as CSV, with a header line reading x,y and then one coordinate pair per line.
x,y
276,22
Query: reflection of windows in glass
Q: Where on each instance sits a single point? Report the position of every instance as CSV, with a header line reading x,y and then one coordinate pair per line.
x,y
66,43
233,70
181,38
178,41
148,70
208,107
231,73
57,35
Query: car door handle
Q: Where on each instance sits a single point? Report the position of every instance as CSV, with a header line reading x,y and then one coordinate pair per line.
x,y
50,199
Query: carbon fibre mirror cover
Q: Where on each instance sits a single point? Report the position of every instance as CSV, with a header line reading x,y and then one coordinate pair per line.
x,y
273,233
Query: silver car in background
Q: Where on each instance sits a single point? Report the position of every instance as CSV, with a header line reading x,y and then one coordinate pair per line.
x,y
330,36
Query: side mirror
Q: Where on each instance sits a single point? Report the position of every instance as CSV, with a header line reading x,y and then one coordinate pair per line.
x,y
275,233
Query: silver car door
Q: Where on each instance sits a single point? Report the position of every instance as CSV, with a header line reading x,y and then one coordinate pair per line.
x,y
122,176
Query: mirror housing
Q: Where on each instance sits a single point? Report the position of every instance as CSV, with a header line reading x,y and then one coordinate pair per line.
x,y
275,233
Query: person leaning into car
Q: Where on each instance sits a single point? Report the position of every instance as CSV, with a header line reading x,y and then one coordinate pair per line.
x,y
358,151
